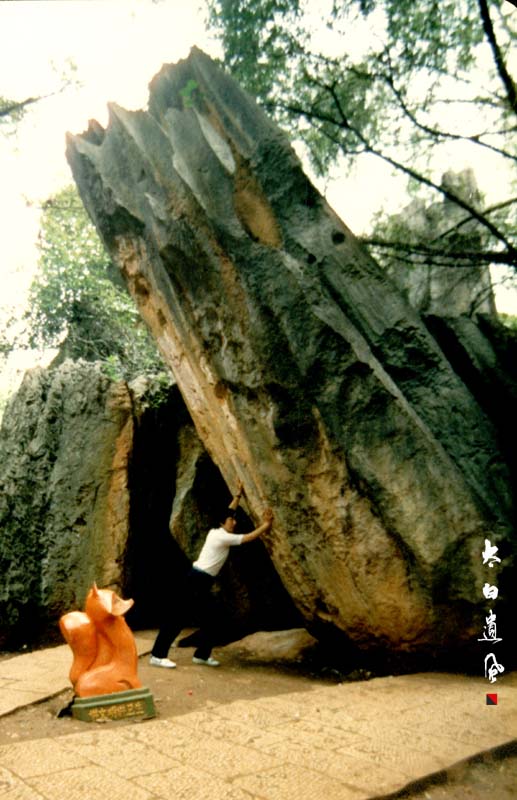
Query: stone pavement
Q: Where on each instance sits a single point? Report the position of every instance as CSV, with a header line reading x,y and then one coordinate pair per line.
x,y
339,742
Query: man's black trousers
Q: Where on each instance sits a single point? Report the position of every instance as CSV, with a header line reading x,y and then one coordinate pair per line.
x,y
194,601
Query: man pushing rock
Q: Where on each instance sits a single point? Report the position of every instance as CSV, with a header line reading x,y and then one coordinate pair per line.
x,y
196,590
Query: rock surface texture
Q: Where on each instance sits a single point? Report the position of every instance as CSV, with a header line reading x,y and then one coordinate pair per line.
x,y
461,288
65,442
108,482
305,371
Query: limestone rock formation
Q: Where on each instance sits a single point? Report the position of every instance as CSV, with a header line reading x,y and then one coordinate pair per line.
x,y
65,443
445,291
91,472
305,371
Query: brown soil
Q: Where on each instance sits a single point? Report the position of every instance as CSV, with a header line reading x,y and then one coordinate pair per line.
x,y
243,676
492,777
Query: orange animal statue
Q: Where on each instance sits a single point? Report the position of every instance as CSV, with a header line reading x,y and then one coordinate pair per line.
x,y
103,646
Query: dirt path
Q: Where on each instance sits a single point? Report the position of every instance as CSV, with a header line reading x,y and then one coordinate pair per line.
x,y
176,692
242,675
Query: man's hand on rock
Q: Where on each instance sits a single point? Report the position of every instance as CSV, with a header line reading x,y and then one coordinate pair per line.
x,y
267,516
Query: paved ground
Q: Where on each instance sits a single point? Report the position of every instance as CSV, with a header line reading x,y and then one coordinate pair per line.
x,y
337,742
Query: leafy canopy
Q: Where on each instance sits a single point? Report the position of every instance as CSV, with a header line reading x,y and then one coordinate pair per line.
x,y
76,301
433,73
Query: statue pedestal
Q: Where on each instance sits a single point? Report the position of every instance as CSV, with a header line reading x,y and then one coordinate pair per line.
x,y
120,705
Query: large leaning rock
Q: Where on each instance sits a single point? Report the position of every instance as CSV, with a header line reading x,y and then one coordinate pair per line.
x,y
306,373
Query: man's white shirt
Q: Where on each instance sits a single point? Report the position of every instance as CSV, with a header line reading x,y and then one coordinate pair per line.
x,y
216,549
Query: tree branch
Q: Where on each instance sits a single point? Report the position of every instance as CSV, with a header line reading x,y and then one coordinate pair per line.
x,y
5,111
489,210
507,81
456,258
344,123
435,133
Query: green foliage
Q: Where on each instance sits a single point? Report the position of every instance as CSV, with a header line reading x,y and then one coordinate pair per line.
x,y
5,346
278,51
187,93
158,390
112,368
258,39
509,320
11,113
10,110
439,35
430,73
75,302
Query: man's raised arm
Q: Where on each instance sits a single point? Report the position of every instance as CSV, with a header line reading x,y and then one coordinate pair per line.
x,y
237,497
266,526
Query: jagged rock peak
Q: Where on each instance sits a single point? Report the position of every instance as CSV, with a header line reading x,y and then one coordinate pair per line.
x,y
307,374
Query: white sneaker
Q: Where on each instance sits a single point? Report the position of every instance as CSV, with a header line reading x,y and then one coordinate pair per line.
x,y
208,662
161,662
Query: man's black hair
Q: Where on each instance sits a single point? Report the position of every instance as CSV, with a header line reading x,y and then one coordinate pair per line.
x,y
228,512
